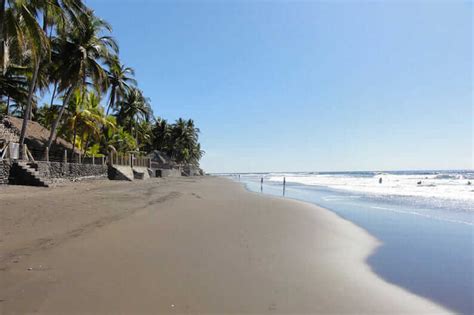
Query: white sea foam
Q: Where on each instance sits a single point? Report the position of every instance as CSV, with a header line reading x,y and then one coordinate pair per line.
x,y
443,186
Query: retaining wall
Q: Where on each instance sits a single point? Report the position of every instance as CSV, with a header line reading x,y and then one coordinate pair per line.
x,y
164,172
117,172
5,167
70,170
140,172
7,134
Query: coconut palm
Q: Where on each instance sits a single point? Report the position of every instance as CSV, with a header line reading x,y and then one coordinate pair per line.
x,y
84,120
133,110
180,140
19,30
46,114
26,33
121,80
52,12
14,86
122,140
161,135
63,46
80,53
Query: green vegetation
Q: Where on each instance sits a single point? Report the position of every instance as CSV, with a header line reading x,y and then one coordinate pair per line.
x,y
62,47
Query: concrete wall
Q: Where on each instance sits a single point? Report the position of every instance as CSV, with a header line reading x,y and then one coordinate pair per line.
x,y
70,170
164,172
5,167
118,172
140,172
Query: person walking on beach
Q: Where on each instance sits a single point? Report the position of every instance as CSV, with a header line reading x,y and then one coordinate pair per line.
x,y
284,185
261,184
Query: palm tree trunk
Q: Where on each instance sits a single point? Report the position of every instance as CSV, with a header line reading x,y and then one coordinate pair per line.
x,y
74,142
29,104
31,92
58,119
32,88
7,109
2,36
87,144
112,100
53,95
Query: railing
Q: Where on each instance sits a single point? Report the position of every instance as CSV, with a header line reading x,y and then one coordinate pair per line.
x,y
65,156
27,154
129,159
4,151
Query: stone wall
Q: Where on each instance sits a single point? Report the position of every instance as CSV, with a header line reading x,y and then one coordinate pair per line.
x,y
7,135
70,170
4,171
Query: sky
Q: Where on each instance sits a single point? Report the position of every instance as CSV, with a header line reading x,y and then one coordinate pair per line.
x,y
307,85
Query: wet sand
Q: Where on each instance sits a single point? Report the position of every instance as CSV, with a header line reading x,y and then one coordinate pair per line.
x,y
187,245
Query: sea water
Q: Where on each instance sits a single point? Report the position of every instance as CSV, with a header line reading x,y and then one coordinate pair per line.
x,y
424,219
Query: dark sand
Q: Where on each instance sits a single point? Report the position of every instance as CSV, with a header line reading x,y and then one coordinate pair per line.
x,y
189,245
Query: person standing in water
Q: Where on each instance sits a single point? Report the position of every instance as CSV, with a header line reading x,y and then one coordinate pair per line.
x,y
284,185
261,184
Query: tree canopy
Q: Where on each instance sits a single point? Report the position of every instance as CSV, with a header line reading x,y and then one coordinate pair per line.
x,y
63,47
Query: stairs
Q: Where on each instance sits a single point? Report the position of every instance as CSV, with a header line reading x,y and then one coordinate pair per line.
x,y
25,173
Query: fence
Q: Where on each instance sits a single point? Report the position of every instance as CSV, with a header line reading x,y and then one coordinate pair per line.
x,y
8,151
129,159
64,156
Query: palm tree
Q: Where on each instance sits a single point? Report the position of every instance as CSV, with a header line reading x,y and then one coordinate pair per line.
x,y
94,121
46,114
143,135
121,80
122,140
80,53
19,29
161,135
52,11
14,86
134,109
37,44
84,119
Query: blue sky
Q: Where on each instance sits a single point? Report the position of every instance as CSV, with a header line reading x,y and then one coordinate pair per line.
x,y
308,86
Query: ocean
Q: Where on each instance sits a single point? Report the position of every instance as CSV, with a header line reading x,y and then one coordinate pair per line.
x,y
424,219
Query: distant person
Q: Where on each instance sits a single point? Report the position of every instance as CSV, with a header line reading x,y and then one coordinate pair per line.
x,y
419,183
380,180
469,182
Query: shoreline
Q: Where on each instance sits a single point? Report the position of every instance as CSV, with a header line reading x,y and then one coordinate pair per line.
x,y
425,255
188,245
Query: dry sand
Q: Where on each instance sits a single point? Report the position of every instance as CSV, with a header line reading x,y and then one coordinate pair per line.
x,y
189,245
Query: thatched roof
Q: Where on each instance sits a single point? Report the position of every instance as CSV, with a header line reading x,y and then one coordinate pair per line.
x,y
36,135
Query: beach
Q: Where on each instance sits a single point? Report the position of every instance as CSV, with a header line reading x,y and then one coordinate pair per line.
x,y
184,245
